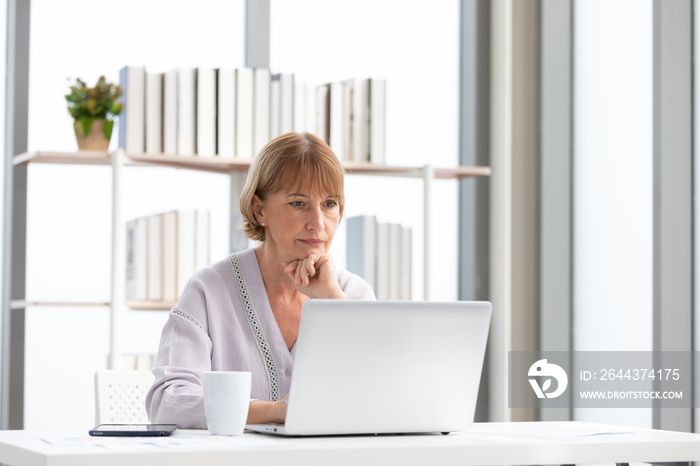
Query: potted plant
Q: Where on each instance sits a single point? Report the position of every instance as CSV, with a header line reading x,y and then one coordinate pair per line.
x,y
93,109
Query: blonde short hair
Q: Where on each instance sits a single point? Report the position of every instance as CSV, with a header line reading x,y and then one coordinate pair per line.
x,y
294,161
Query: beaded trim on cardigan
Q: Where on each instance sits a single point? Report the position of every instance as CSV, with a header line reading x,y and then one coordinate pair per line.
x,y
184,315
256,328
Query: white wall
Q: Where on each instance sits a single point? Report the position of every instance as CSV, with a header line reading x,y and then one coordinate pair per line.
x,y
613,184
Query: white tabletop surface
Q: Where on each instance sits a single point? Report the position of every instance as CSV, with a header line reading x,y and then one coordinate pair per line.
x,y
484,444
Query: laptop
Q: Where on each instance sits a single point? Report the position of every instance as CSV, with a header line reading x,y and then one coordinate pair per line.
x,y
385,367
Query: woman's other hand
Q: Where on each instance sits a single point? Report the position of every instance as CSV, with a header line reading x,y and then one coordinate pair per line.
x,y
268,412
315,276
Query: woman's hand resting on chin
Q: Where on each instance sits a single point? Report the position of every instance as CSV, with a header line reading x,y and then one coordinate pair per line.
x,y
315,276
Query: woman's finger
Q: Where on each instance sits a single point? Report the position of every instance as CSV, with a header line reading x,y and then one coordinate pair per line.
x,y
290,267
300,272
311,265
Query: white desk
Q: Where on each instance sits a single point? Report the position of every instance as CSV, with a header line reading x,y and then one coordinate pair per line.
x,y
484,444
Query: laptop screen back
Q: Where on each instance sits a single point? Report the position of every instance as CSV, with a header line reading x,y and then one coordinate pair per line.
x,y
387,366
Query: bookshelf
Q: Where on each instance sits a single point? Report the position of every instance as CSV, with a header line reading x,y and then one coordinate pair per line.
x,y
118,160
229,165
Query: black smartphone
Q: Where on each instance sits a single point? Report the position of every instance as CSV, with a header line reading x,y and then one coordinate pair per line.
x,y
133,430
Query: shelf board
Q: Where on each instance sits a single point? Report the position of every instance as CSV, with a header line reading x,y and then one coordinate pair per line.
x,y
414,172
136,305
150,305
216,164
73,158
23,304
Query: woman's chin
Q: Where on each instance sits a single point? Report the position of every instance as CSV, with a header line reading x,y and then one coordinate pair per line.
x,y
308,249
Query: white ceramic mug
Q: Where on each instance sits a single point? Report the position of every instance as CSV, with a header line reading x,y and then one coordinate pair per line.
x,y
226,401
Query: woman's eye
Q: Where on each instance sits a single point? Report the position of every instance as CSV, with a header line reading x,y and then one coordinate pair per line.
x,y
331,204
296,203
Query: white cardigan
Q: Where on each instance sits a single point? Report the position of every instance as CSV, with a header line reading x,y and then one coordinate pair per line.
x,y
223,321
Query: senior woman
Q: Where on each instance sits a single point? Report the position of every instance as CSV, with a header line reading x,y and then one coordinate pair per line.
x,y
242,313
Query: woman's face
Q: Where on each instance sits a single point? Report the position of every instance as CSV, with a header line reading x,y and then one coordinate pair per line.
x,y
298,224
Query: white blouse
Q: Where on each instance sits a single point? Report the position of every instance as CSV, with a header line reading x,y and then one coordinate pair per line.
x,y
224,322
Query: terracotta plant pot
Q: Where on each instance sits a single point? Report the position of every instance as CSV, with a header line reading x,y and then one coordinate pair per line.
x,y
95,140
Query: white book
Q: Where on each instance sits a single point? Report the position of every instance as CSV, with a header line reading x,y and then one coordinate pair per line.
x,y
132,119
286,103
244,113
361,243
382,261
377,121
322,113
186,97
130,278
206,112
347,116
169,258
261,127
136,283
201,239
300,90
226,113
338,123
360,120
406,261
186,232
394,260
154,113
170,105
155,257
275,105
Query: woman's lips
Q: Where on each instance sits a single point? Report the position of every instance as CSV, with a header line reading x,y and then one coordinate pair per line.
x,y
312,242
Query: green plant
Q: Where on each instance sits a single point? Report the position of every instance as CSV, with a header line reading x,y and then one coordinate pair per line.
x,y
87,104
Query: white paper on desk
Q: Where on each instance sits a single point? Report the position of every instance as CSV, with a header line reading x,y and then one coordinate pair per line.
x,y
570,431
173,442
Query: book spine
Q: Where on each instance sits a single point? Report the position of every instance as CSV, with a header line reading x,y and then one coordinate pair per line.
x,y
261,129
286,103
169,259
132,119
140,251
382,261
244,113
361,247
377,121
338,123
275,105
155,257
130,278
322,113
360,120
394,260
186,126
406,261
226,112
206,112
347,125
154,113
170,94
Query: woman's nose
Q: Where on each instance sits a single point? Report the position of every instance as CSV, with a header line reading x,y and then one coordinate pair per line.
x,y
315,220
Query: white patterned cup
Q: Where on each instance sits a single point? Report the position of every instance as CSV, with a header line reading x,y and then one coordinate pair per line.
x,y
226,401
